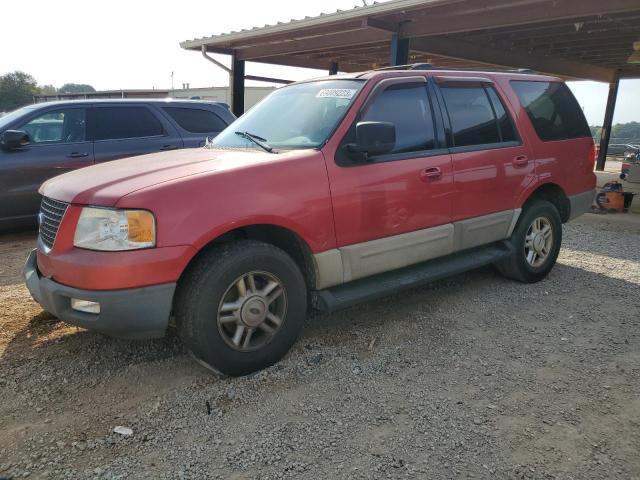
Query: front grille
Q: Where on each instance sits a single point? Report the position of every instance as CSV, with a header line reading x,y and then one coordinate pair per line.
x,y
51,213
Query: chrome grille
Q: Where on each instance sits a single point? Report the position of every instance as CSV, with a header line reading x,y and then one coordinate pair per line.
x,y
51,213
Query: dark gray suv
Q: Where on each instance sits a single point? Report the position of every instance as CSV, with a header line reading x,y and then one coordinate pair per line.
x,y
41,141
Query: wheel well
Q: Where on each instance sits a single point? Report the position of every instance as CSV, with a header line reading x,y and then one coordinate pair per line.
x,y
280,237
554,194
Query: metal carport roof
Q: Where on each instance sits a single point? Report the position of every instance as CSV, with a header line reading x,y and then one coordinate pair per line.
x,y
581,39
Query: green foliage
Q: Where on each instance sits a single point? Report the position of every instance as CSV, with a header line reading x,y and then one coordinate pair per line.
x,y
16,90
626,130
48,90
620,132
76,88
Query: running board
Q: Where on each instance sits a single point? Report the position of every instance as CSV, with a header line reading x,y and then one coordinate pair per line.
x,y
383,284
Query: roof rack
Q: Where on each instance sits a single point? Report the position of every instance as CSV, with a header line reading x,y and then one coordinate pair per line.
x,y
411,66
428,66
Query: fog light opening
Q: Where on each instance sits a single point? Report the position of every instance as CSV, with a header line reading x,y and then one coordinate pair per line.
x,y
85,306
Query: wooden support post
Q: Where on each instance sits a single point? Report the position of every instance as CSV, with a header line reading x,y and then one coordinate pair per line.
x,y
608,122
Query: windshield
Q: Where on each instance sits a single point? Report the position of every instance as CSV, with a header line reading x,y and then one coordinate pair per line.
x,y
293,117
11,116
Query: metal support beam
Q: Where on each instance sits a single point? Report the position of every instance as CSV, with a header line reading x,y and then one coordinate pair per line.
x,y
333,68
509,57
237,86
258,78
608,122
379,24
320,43
311,62
399,50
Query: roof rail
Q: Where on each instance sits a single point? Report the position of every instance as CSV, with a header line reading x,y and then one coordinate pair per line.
x,y
410,66
428,66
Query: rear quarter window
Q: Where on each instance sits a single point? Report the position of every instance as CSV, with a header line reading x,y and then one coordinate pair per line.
x,y
115,123
196,120
552,109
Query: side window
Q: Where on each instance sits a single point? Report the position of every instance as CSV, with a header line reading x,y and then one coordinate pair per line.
x,y
472,118
112,123
196,120
507,130
552,109
409,109
58,126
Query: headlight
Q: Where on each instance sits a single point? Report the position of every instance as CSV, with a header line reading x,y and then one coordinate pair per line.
x,y
113,229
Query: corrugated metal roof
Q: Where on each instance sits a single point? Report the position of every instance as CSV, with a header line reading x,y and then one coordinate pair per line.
x,y
323,18
589,39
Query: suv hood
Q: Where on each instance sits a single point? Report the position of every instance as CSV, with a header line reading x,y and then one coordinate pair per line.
x,y
104,184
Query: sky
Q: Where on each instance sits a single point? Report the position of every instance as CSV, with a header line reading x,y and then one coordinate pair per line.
x,y
135,44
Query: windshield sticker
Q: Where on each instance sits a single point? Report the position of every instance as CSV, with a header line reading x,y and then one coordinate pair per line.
x,y
347,93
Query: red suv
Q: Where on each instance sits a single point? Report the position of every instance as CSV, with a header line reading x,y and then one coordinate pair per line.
x,y
329,192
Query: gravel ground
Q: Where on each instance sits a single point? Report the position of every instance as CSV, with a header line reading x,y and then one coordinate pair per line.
x,y
472,377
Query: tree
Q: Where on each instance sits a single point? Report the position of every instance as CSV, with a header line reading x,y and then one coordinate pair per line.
x,y
47,90
629,130
76,88
16,90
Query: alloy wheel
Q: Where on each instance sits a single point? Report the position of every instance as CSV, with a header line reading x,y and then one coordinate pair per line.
x,y
538,241
251,311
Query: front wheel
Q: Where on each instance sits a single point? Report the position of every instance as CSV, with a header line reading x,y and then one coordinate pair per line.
x,y
536,243
240,307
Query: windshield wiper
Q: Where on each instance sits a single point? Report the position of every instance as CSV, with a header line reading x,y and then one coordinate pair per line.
x,y
261,142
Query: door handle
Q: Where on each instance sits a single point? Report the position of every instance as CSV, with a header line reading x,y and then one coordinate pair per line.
x,y
168,147
430,174
78,154
520,161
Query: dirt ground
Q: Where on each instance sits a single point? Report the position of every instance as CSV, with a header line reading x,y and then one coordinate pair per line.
x,y
471,377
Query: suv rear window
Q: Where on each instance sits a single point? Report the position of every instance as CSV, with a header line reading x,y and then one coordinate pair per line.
x,y
112,123
196,120
553,110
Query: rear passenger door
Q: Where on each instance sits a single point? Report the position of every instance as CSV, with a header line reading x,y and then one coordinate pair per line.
x,y
121,131
195,124
491,164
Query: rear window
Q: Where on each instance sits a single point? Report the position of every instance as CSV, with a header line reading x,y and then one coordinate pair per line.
x,y
112,123
196,120
553,110
477,115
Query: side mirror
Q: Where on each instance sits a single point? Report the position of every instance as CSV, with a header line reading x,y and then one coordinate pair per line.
x,y
374,138
13,139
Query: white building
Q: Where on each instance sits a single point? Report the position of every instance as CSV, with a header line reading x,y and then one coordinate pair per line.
x,y
252,95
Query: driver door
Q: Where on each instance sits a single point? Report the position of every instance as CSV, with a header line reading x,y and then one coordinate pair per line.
x,y
58,144
394,210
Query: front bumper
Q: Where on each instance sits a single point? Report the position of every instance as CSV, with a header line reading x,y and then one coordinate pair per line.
x,y
135,313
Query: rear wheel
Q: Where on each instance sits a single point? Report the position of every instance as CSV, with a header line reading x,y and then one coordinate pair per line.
x,y
536,243
241,306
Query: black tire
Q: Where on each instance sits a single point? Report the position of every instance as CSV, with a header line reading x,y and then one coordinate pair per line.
x,y
201,292
516,266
